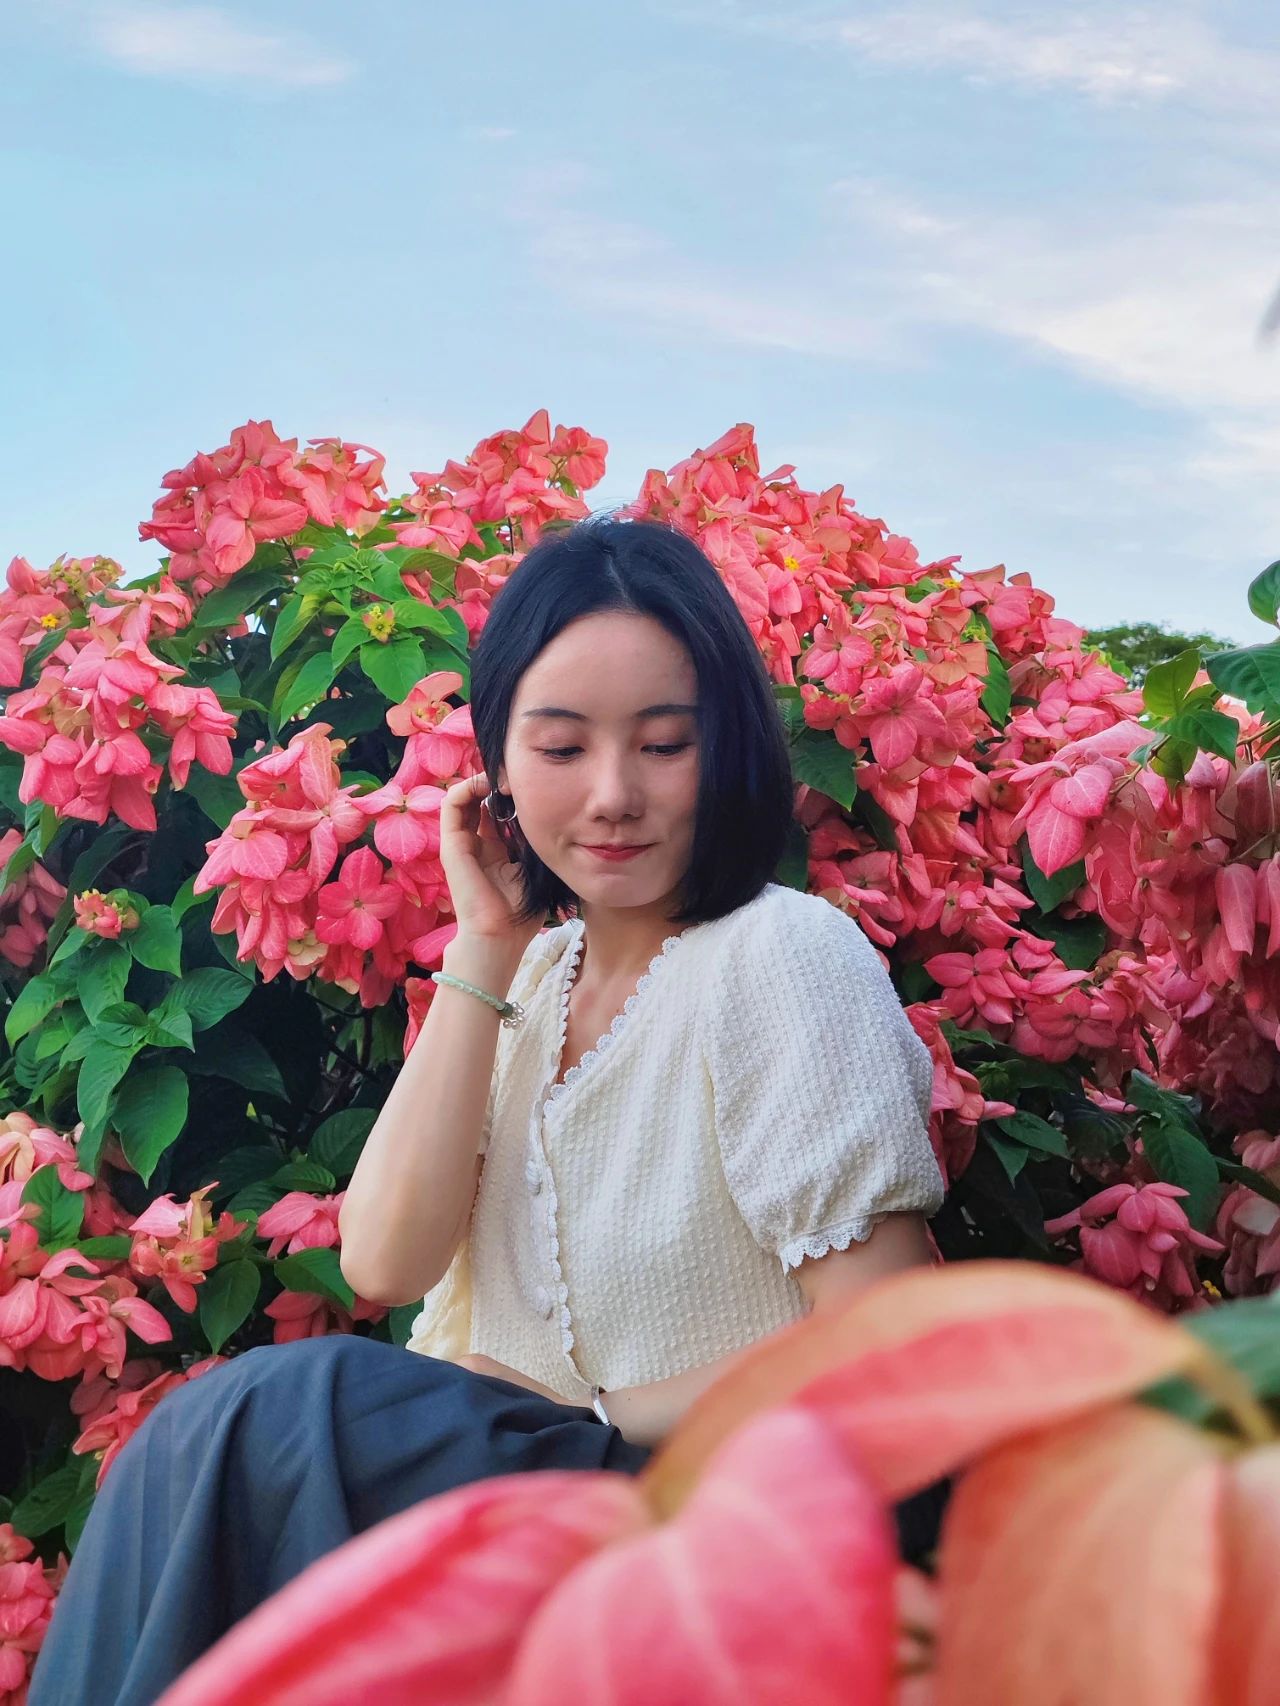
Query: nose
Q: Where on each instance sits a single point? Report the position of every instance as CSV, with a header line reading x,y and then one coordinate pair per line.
x,y
616,791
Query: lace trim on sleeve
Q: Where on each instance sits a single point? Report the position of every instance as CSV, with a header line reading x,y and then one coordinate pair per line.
x,y
818,1244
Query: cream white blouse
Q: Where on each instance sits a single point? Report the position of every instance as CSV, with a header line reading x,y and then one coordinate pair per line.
x,y
760,1098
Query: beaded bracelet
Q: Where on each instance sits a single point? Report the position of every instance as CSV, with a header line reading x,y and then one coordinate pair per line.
x,y
511,1011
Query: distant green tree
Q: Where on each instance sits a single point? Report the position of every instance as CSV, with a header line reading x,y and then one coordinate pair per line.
x,y
1132,648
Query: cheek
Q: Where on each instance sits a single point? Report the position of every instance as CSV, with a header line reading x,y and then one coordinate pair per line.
x,y
545,790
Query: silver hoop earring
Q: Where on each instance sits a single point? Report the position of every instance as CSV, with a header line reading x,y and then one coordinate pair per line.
x,y
489,799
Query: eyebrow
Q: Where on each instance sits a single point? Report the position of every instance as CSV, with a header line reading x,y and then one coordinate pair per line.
x,y
669,710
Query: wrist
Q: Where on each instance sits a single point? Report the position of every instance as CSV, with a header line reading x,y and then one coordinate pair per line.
x,y
490,964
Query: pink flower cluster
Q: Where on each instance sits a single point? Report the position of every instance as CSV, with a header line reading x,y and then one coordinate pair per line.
x,y
296,902
112,1414
27,905
1138,1238
104,915
36,602
515,481
221,506
81,726
177,1243
27,1593
63,1315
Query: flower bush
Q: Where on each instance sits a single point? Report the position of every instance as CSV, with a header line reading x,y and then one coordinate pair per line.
x,y
219,868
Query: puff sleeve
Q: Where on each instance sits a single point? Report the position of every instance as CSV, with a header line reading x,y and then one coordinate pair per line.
x,y
821,1087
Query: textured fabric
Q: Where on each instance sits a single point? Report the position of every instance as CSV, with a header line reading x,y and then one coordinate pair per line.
x,y
242,1478
761,1097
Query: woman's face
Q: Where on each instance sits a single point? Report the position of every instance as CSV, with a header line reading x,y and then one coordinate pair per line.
x,y
607,767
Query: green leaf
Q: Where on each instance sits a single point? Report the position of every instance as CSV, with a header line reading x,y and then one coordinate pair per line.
x,y
1167,684
304,1175
36,1000
187,898
21,860
170,1030
243,593
71,943
248,1165
315,1271
226,1299
1264,594
413,613
1208,731
337,1141
1257,1182
46,1506
101,980
1033,1133
997,695
113,1248
394,668
1245,1333
76,1517
819,761
103,1067
1013,1157
124,1024
61,1211
349,638
157,942
208,994
149,1112
793,867
400,1322
790,703
1049,892
1172,759
229,1051
293,618
307,687
924,588
1251,673
1080,942
218,797
1179,1157
1166,1105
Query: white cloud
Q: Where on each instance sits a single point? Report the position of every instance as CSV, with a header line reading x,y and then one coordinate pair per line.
x,y
1162,303
1096,49
204,42
638,274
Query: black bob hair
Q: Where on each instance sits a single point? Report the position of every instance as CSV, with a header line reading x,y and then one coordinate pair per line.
x,y
745,792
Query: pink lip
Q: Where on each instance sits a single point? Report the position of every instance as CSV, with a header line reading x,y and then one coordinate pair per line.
x,y
616,854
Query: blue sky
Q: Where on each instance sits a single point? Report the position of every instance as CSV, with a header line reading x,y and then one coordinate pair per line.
x,y
999,268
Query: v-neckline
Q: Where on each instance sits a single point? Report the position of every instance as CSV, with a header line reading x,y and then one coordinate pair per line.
x,y
573,955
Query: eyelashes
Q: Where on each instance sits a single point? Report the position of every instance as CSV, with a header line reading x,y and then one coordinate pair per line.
x,y
564,752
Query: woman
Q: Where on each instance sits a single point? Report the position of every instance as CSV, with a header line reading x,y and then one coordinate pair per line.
x,y
621,1151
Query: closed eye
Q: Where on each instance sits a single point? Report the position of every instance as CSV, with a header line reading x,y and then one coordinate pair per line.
x,y
563,752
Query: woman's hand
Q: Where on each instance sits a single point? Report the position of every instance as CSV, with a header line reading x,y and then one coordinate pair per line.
x,y
478,1364
485,884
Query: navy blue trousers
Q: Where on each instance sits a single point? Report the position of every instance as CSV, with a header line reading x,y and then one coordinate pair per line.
x,y
243,1477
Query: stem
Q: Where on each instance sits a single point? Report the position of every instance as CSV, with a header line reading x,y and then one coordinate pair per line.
x,y
1232,1393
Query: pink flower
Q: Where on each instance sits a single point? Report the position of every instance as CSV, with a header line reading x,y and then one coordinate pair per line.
x,y
177,1243
354,908
27,1594
304,1315
301,1221
1138,1239
109,1432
